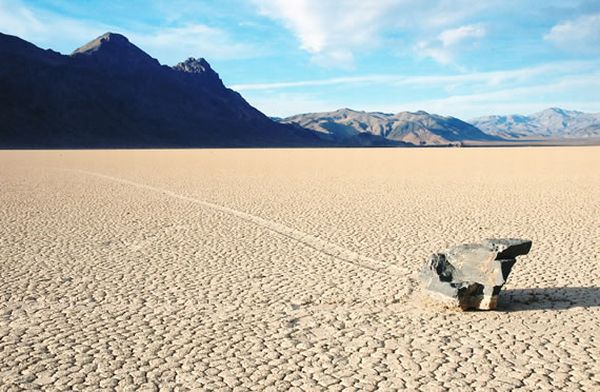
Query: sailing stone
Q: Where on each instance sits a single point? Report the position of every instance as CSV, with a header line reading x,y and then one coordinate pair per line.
x,y
470,276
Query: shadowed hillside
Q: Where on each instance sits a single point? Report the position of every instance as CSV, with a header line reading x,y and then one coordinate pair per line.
x,y
109,93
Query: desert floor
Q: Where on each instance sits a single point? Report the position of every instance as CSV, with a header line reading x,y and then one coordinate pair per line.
x,y
293,269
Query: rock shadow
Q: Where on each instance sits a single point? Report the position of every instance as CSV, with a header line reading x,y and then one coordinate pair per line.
x,y
550,298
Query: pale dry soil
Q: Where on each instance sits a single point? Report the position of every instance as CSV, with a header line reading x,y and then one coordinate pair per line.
x,y
293,270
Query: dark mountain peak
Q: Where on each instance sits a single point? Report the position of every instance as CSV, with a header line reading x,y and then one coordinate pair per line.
x,y
192,65
115,50
199,68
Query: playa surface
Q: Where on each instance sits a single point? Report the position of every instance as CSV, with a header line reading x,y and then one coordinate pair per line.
x,y
293,269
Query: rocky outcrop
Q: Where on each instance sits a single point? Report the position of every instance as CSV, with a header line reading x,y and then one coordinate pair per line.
x,y
470,276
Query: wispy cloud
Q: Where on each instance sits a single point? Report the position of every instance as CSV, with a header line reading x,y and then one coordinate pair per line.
x,y
193,40
565,84
521,99
581,34
491,78
315,83
457,36
43,27
449,43
287,104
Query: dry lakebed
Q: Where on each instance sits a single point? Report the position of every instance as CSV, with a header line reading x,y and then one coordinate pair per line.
x,y
293,269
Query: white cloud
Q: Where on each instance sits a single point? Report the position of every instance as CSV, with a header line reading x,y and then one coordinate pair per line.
x,y
330,30
581,34
450,42
334,31
456,36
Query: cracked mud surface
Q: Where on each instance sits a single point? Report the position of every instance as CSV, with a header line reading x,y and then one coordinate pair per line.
x,y
293,269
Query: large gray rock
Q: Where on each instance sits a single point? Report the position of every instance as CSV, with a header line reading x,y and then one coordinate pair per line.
x,y
470,276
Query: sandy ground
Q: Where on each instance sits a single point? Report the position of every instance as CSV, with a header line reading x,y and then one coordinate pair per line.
x,y
293,269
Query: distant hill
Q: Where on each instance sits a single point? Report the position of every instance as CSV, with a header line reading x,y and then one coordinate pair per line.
x,y
109,93
420,128
552,123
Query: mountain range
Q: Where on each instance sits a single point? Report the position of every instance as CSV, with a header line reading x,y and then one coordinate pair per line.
x,y
419,128
111,94
554,123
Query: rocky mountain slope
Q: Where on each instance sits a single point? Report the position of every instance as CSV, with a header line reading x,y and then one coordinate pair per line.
x,y
552,123
420,128
109,93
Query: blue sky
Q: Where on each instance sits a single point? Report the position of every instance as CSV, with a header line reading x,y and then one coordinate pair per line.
x,y
463,58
